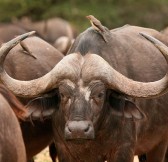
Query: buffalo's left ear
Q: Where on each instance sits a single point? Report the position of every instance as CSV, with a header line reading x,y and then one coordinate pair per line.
x,y
132,111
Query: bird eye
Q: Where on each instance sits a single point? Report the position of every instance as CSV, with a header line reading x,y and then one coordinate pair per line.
x,y
98,97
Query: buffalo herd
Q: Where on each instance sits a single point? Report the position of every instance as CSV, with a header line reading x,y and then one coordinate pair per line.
x,y
97,96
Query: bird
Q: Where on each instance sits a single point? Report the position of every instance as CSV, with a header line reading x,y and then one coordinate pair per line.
x,y
96,24
26,49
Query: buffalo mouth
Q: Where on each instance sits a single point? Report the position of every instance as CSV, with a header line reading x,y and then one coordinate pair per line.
x,y
79,130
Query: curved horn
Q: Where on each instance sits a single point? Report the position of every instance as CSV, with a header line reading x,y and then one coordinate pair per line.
x,y
6,47
119,82
66,68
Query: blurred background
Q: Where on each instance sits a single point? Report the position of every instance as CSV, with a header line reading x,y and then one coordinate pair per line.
x,y
112,13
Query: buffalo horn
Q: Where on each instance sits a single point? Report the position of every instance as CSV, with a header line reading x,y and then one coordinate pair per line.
x,y
115,80
43,84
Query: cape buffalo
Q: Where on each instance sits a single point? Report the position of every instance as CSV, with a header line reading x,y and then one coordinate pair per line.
x,y
63,44
9,31
11,141
30,59
50,29
98,113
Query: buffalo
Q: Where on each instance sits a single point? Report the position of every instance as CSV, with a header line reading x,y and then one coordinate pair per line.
x,y
49,29
63,44
30,59
11,141
98,113
9,31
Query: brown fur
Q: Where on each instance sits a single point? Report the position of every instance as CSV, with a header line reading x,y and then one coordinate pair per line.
x,y
17,107
11,141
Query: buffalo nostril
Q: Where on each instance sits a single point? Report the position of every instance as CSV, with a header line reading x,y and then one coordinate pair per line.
x,y
87,129
69,130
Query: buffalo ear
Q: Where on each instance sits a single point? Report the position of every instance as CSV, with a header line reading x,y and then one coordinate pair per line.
x,y
42,107
37,113
132,111
124,107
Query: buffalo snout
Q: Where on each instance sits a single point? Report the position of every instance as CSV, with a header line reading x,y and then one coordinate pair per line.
x,y
79,130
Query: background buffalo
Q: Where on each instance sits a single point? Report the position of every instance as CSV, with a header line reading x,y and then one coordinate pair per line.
x,y
11,141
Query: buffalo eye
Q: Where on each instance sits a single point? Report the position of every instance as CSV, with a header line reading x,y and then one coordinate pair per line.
x,y
98,97
64,97
98,92
65,93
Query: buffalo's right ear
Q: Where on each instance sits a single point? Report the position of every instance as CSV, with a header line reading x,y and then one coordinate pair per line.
x,y
42,107
121,106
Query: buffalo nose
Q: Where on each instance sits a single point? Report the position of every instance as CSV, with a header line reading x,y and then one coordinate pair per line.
x,y
79,130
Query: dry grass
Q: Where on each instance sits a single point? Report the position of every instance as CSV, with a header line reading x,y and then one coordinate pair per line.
x,y
44,157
